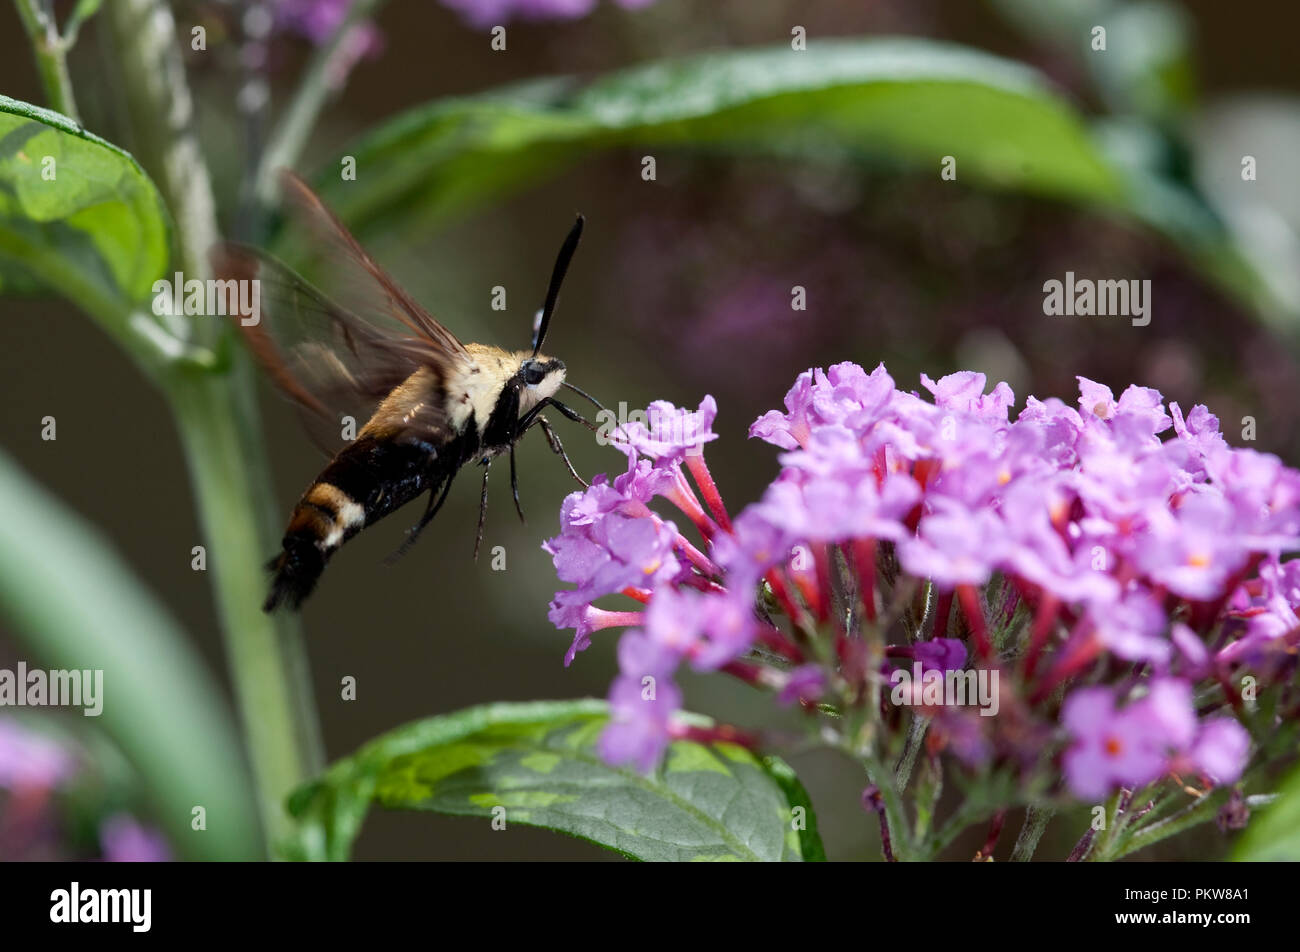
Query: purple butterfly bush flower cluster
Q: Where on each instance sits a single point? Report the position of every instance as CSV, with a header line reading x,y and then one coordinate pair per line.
x,y
1115,561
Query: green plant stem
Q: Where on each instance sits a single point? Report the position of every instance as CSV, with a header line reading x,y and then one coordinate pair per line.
x,y
274,693
161,111
1036,820
1100,850
1195,813
51,53
970,811
912,746
217,417
319,83
900,834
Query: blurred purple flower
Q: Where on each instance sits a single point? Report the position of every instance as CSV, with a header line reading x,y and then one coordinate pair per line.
x,y
484,13
1111,747
124,840
30,761
639,729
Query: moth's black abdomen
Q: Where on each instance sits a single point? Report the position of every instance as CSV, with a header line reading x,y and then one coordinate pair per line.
x,y
294,572
361,485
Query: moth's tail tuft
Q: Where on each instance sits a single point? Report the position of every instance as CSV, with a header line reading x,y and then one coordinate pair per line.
x,y
294,573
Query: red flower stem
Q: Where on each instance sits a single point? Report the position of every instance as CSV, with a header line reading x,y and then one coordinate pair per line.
x,y
697,558
995,830
808,588
775,640
970,605
722,733
822,562
864,560
872,800
1044,619
749,673
708,489
602,618
1078,654
941,609
642,595
683,497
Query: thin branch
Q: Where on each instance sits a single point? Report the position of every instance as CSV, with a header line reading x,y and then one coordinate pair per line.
x,y
51,53
1036,820
320,83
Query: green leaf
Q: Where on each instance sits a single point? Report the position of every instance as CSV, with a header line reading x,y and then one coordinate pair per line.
x,y
71,603
906,101
96,232
1273,834
539,762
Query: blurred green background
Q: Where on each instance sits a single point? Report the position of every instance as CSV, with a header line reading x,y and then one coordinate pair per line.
x,y
681,288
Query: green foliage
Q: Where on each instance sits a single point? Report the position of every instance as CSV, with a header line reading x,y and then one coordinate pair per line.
x,y
539,762
1274,831
67,596
97,230
906,101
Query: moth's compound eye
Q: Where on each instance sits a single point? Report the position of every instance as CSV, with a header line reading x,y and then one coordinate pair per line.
x,y
533,373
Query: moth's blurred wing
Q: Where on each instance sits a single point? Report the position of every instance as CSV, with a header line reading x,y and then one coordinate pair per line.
x,y
332,362
352,279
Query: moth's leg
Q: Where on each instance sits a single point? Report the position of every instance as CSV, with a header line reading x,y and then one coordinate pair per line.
x,y
558,448
514,485
436,499
530,418
573,414
482,513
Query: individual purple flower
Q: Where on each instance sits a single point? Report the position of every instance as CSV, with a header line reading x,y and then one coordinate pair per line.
x,y
940,654
1193,551
962,732
791,429
964,391
641,713
674,619
1221,750
709,629
1140,404
843,394
1199,432
805,683
1194,657
954,546
729,626
608,542
1111,747
833,506
1264,495
642,655
847,395
752,547
644,481
670,434
573,609
124,840
1132,627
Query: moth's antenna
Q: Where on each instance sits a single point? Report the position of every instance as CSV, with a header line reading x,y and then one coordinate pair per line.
x,y
557,278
